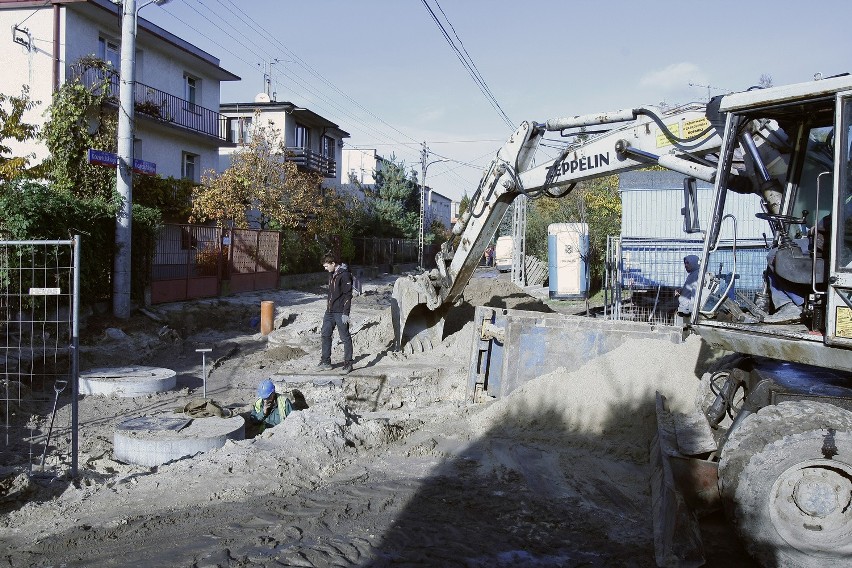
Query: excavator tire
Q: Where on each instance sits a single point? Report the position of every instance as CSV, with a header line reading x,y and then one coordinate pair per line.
x,y
785,477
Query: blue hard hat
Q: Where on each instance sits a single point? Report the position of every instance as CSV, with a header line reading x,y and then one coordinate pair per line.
x,y
265,388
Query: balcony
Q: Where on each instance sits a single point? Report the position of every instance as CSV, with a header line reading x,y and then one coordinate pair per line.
x,y
312,161
161,106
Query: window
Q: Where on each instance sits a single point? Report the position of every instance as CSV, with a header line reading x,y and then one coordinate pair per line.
x,y
240,128
190,166
303,137
109,51
327,147
192,92
844,232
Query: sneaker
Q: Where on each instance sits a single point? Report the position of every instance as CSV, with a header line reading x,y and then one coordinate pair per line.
x,y
347,368
324,366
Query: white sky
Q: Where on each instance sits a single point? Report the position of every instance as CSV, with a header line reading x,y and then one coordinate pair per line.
x,y
383,71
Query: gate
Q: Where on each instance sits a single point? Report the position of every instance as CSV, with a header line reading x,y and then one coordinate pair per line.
x,y
39,302
253,260
643,274
192,261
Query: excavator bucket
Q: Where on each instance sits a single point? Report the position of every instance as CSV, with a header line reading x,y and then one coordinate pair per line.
x,y
418,316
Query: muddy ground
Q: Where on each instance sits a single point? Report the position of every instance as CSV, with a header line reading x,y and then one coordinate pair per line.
x,y
388,466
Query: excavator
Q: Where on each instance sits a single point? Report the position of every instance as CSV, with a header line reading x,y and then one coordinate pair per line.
x,y
776,413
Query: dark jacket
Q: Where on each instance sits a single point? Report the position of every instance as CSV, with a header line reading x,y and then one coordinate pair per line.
x,y
339,291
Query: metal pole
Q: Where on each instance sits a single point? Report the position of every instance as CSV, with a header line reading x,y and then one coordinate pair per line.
x,y
204,353
75,355
424,155
124,178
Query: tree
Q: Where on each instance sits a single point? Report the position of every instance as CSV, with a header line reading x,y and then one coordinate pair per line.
x,y
82,117
12,126
262,185
395,200
594,202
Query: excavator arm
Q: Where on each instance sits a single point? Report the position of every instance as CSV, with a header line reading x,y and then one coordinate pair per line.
x,y
683,140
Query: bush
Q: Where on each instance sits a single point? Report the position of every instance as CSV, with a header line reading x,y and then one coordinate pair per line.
x,y
33,211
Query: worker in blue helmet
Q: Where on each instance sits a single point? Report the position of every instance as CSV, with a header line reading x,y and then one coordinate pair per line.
x,y
270,408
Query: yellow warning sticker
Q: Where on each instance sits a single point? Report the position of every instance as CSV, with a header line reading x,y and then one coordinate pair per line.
x,y
843,322
663,140
696,126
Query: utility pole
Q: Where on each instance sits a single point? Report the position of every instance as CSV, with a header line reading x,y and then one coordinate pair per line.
x,y
424,155
124,177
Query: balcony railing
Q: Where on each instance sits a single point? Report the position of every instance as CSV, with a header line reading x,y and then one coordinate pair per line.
x,y
159,105
311,160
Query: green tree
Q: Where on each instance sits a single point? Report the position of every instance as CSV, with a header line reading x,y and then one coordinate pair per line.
x,y
12,126
262,180
595,202
395,200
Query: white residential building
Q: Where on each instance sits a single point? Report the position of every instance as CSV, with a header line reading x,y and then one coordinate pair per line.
x,y
178,126
313,142
438,208
360,165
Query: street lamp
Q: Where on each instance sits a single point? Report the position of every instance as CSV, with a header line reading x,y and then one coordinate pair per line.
x,y
421,235
124,177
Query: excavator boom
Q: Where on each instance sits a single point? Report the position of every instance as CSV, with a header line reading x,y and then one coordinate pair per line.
x,y
681,139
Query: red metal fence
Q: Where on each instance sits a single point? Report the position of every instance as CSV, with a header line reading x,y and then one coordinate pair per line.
x,y
198,261
193,261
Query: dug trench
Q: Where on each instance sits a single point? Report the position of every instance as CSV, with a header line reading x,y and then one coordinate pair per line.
x,y
388,466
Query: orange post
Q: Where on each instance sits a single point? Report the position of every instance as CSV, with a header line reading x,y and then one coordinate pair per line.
x,y
267,316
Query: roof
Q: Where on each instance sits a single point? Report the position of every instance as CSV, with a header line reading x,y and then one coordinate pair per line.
x,y
211,62
300,113
786,93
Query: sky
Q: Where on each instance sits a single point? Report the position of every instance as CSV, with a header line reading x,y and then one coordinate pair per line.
x,y
384,71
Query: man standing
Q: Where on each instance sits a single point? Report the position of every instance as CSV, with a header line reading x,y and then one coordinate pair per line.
x,y
337,312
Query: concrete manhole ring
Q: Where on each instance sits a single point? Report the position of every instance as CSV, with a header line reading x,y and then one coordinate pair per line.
x,y
127,381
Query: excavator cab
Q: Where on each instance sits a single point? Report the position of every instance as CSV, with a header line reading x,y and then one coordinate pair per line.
x,y
777,281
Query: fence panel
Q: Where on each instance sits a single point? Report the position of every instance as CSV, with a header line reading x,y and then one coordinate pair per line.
x,y
39,302
643,274
254,260
188,263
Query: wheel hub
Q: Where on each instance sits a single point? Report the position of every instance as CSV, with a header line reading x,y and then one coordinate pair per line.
x,y
811,503
818,492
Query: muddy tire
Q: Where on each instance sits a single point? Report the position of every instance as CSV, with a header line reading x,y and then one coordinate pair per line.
x,y
785,476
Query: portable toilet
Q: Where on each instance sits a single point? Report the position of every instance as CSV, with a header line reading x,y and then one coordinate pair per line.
x,y
503,254
567,253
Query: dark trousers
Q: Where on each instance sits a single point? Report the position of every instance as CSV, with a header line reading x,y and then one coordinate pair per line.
x,y
328,324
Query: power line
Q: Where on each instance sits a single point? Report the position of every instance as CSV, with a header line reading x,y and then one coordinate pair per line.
x,y
237,15
466,60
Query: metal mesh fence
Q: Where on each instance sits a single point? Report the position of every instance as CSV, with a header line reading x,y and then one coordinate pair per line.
x,y
378,251
642,275
39,298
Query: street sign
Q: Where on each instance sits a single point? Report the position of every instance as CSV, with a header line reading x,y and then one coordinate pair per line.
x,y
102,158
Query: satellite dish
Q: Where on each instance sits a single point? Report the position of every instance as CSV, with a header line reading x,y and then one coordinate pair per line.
x,y
261,98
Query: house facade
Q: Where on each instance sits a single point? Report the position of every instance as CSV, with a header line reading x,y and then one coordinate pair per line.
x,y
438,208
313,142
360,165
177,123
